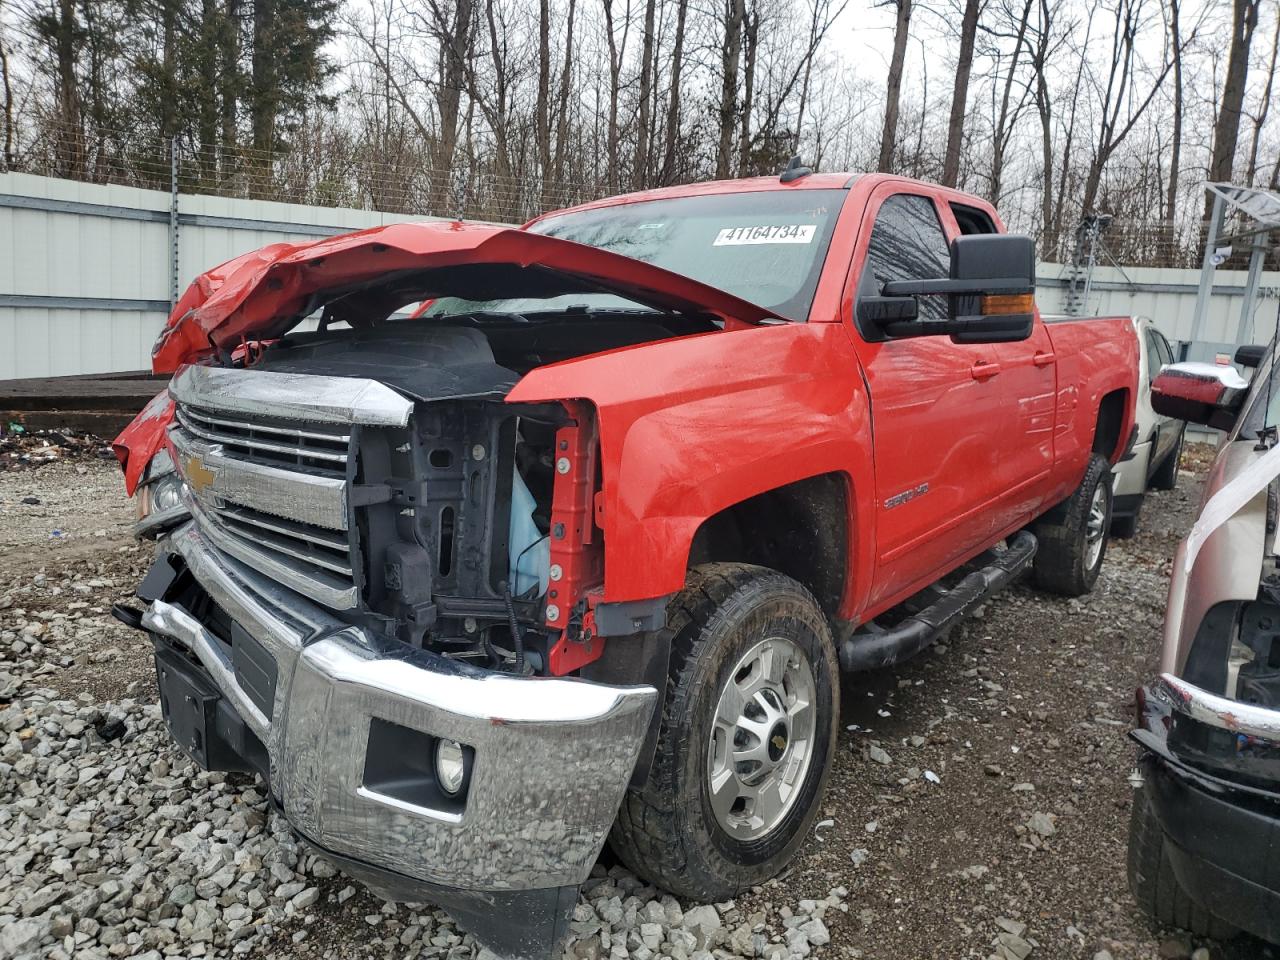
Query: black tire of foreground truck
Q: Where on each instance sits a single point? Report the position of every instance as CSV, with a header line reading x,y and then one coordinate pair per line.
x,y
747,734
1073,535
1153,883
1166,477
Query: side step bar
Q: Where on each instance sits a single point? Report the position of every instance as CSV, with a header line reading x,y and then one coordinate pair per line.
x,y
869,650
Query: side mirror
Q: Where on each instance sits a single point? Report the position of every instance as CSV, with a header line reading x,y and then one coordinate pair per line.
x,y
1205,393
990,293
1250,355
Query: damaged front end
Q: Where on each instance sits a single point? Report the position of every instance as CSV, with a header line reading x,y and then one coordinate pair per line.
x,y
377,574
1209,726
351,611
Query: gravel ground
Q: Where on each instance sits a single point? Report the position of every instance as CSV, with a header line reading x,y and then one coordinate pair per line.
x,y
978,806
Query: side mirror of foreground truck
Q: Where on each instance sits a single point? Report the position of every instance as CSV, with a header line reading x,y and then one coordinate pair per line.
x,y
990,294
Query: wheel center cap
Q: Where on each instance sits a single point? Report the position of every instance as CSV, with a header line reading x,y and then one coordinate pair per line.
x,y
779,737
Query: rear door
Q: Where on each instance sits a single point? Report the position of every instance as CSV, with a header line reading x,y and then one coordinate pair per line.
x,y
1027,380
936,409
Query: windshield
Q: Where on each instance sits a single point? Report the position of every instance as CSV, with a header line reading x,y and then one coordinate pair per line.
x,y
1263,411
766,247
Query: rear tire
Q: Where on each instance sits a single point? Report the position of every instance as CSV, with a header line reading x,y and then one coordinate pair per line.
x,y
1073,536
1166,478
691,827
1154,884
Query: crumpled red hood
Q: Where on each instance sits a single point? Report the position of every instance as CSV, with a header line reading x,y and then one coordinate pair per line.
x,y
143,438
262,294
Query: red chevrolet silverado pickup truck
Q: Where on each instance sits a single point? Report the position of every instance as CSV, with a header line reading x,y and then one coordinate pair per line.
x,y
484,545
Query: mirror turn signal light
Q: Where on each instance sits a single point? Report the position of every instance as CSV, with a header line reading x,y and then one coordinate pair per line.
x,y
1007,303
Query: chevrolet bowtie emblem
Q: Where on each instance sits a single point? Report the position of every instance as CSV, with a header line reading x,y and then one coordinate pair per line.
x,y
197,475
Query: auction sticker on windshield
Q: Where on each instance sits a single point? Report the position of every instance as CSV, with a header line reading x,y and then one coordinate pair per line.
x,y
766,233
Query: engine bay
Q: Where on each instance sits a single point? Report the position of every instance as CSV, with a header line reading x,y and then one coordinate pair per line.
x,y
452,513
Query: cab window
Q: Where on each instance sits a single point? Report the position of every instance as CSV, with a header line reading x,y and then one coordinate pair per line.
x,y
971,220
908,243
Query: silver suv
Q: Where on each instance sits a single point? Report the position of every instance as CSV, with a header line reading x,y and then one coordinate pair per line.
x,y
1204,842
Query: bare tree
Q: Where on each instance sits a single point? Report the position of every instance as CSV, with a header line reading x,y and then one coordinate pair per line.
x,y
750,51
893,90
542,109
6,87
730,56
453,30
960,92
1006,118
640,177
673,95
1226,129
1122,103
616,52
562,100
1175,148
1041,54
229,81
1264,107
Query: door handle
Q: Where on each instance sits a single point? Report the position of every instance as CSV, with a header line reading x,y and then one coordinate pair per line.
x,y
983,370
1042,359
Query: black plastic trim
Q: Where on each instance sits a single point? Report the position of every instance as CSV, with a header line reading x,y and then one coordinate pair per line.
x,y
524,924
631,616
1225,855
870,651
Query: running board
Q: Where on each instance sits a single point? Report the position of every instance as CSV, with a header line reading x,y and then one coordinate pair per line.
x,y
868,650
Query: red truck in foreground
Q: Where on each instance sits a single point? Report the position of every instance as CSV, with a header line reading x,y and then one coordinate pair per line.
x,y
527,539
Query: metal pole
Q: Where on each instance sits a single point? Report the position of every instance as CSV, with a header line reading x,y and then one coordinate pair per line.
x,y
1094,231
1206,274
173,222
1256,259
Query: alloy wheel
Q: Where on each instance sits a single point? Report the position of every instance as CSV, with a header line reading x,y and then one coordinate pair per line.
x,y
762,741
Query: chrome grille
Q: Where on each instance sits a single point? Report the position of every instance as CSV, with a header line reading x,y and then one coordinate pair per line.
x,y
322,573
267,459
312,448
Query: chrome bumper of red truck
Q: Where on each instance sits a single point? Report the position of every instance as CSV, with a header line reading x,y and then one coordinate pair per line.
x,y
351,723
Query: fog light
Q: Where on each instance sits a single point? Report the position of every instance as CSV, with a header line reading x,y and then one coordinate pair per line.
x,y
450,766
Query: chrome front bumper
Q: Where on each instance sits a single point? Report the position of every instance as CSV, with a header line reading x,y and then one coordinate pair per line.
x,y
1211,709
552,756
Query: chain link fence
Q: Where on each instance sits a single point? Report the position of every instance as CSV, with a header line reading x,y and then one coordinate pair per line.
x,y
329,173
334,170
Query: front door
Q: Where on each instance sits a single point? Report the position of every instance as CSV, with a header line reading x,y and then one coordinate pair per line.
x,y
938,409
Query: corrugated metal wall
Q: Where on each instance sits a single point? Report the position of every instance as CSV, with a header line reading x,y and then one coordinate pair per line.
x,y
85,268
1169,297
85,272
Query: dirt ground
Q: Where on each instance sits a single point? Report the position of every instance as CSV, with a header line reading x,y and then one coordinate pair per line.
x,y
998,788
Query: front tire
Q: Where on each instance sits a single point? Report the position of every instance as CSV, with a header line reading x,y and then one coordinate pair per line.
x,y
747,735
1073,536
1154,884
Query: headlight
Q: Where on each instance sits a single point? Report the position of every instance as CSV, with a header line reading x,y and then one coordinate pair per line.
x,y
451,766
158,500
